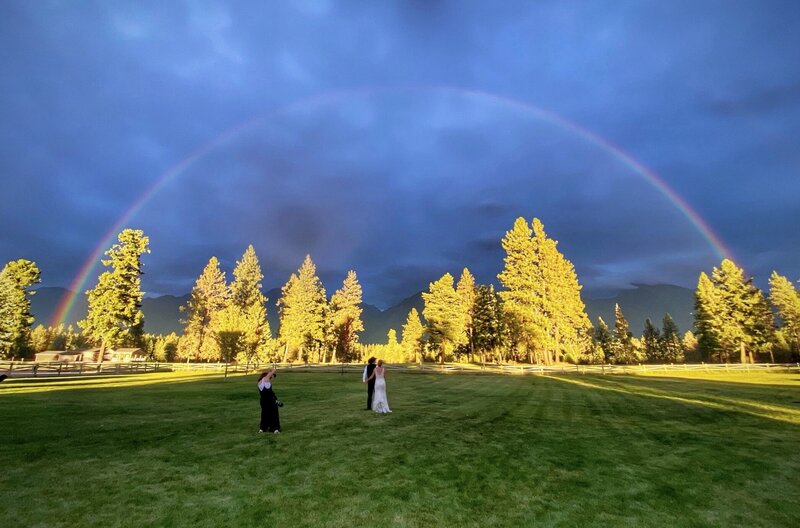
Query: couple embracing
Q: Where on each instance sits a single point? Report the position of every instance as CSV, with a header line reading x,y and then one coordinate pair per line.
x,y
375,378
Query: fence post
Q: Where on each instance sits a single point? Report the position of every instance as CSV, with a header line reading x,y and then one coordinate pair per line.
x,y
35,370
59,368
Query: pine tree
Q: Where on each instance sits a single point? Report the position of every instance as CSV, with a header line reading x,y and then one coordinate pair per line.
x,y
302,308
624,350
59,338
444,315
115,317
166,348
651,339
568,328
671,345
786,300
604,340
8,321
466,297
246,296
345,314
413,333
489,330
542,295
707,310
522,295
732,316
690,347
209,297
228,331
16,279
393,352
40,338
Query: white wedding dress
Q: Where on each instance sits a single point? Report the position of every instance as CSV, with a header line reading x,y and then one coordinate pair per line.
x,y
379,402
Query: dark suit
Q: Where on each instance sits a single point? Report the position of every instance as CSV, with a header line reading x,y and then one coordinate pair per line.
x,y
370,385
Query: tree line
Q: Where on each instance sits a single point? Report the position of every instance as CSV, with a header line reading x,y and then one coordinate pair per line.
x,y
535,316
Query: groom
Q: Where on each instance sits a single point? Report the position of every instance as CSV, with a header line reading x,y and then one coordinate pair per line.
x,y
371,385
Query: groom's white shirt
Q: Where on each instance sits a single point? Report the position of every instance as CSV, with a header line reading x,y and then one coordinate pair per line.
x,y
364,375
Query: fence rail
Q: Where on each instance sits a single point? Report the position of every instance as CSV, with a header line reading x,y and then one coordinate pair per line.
x,y
69,368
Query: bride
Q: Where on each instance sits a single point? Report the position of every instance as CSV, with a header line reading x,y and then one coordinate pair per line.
x,y
379,402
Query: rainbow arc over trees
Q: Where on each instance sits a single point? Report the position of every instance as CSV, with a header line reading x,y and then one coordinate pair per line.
x,y
79,282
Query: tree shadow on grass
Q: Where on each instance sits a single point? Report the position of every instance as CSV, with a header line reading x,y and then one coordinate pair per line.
x,y
15,386
747,399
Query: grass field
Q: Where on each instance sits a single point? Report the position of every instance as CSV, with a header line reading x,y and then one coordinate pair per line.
x,y
459,450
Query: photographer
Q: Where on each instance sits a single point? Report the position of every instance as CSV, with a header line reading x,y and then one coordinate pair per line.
x,y
270,421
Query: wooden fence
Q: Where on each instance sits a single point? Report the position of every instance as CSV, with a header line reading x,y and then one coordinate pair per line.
x,y
69,368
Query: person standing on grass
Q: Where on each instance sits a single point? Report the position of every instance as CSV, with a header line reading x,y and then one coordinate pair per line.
x,y
380,404
270,420
367,378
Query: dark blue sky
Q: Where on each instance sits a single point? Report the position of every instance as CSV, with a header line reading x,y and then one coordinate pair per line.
x,y
375,154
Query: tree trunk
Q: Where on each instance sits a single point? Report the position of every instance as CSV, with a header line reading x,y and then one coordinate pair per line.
x,y
742,353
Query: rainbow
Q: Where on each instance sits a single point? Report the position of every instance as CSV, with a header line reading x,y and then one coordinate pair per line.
x,y
79,282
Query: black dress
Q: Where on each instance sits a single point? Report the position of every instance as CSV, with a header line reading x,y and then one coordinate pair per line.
x,y
270,421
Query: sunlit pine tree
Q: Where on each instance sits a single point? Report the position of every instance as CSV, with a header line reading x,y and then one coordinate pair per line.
x,y
15,315
522,292
689,343
9,321
393,352
115,317
567,329
413,334
228,329
732,315
786,300
302,310
40,338
246,296
345,315
708,309
209,297
624,349
445,318
466,297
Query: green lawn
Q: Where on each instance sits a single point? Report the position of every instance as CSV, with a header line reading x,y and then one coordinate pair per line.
x,y
459,450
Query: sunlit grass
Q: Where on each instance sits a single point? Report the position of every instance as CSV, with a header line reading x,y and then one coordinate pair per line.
x,y
461,450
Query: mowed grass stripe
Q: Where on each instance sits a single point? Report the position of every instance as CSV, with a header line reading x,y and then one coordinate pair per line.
x,y
459,450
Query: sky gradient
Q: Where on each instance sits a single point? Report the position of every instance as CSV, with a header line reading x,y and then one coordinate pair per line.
x,y
393,137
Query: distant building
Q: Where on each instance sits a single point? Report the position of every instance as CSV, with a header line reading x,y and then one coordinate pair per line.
x,y
126,355
70,355
49,355
92,355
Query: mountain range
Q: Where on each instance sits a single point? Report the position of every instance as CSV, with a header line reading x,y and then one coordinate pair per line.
x,y
162,314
